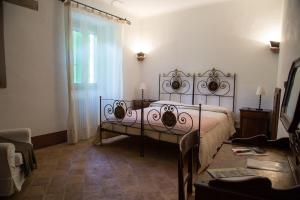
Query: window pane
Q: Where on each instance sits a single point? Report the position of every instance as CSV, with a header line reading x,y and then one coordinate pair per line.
x,y
77,56
92,59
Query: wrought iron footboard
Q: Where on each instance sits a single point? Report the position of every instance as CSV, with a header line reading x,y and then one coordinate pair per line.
x,y
165,119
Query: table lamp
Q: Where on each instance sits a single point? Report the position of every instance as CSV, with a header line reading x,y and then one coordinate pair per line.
x,y
260,92
142,87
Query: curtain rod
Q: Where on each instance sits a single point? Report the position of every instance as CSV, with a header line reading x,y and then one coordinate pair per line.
x,y
107,13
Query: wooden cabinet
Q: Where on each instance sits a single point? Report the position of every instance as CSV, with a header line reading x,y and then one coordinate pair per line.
x,y
137,104
254,122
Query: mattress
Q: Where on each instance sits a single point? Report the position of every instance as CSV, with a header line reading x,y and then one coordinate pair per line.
x,y
216,126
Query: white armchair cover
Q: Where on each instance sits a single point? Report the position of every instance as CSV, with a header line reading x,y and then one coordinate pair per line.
x,y
11,175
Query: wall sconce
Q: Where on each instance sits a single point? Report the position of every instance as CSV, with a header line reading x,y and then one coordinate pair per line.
x,y
140,56
275,46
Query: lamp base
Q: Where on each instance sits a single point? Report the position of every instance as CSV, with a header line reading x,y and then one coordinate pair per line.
x,y
259,103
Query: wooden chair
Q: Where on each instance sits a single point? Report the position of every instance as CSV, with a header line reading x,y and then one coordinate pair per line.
x,y
255,188
186,147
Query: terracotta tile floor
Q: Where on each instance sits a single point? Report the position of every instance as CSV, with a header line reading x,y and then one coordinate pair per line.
x,y
113,171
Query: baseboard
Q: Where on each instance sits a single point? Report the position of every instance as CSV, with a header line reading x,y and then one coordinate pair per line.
x,y
50,139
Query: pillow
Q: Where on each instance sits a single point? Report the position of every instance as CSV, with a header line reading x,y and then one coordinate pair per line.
x,y
190,106
160,103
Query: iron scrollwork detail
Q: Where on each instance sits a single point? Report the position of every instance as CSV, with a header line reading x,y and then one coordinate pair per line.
x,y
176,82
118,111
170,118
213,82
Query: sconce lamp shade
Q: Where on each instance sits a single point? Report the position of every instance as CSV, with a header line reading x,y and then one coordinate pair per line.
x,y
143,86
275,46
260,91
140,56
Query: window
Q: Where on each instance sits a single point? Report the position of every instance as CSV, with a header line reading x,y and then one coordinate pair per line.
x,y
97,57
80,52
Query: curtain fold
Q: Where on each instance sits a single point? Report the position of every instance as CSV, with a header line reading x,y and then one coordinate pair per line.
x,y
94,64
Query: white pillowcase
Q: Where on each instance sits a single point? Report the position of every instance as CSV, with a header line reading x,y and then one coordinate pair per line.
x,y
190,106
160,103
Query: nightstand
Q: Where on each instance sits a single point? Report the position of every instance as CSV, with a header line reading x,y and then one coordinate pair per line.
x,y
254,122
137,104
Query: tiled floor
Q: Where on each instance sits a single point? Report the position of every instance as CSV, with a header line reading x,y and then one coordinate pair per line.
x,y
113,171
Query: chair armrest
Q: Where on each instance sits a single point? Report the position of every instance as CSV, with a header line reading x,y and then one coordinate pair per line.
x,y
18,135
7,158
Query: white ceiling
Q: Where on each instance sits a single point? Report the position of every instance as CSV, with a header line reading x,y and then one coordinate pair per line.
x,y
146,8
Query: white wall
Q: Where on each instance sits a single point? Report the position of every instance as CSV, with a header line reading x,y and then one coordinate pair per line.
x,y
36,96
221,35
289,47
227,35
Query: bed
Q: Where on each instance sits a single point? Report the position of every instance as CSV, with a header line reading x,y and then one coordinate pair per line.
x,y
168,120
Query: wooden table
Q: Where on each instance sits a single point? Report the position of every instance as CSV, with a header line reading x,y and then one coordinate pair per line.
x,y
225,158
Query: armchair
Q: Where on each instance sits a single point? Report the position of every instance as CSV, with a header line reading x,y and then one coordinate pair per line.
x,y
11,175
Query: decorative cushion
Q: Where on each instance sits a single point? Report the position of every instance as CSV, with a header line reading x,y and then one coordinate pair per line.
x,y
18,159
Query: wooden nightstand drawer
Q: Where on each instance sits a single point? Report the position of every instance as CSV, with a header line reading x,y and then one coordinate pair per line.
x,y
255,114
254,122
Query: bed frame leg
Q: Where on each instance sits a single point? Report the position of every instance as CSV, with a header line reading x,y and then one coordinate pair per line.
x,y
199,136
198,164
100,137
142,150
100,117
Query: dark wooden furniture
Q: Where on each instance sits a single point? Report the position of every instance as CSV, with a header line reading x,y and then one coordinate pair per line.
x,y
271,184
31,4
251,120
2,51
275,113
188,143
290,113
137,104
254,122
290,108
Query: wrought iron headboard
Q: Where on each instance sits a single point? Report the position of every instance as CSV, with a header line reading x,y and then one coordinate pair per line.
x,y
176,82
216,84
210,84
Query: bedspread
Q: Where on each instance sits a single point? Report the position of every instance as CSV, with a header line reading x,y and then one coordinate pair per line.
x,y
217,125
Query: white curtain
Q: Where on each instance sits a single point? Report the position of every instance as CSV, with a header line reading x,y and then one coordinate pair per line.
x,y
94,49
